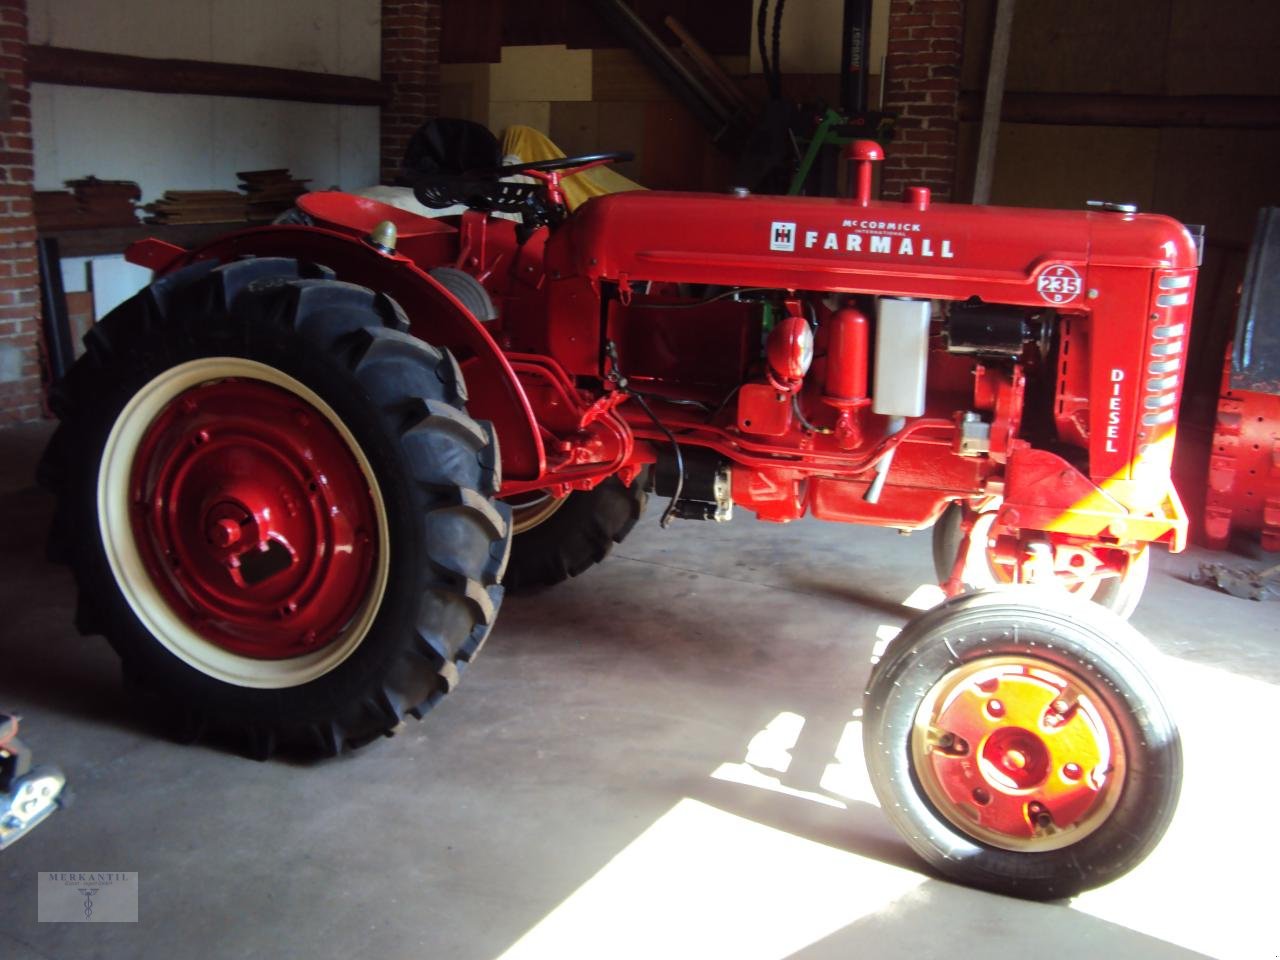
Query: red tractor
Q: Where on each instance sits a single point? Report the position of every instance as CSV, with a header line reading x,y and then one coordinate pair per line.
x,y
297,471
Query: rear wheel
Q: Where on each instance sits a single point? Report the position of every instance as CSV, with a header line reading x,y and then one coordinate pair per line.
x,y
276,507
1017,742
556,539
1112,578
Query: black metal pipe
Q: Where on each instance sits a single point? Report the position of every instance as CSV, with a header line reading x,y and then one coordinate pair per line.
x,y
53,303
855,46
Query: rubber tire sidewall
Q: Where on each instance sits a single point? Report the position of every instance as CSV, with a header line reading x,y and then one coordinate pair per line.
x,y
149,661
1077,636
397,667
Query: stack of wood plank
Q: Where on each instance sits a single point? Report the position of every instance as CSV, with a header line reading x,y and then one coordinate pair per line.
x,y
197,206
271,192
89,203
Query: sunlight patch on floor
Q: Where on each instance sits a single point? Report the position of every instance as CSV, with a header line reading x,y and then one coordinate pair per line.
x,y
771,747
925,597
1221,843
848,776
701,882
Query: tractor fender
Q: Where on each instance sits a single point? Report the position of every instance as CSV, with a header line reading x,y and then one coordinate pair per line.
x,y
435,316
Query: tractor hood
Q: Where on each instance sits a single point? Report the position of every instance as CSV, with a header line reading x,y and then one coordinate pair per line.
x,y
926,249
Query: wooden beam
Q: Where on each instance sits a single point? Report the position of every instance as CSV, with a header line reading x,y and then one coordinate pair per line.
x,y
97,241
992,100
1131,110
89,68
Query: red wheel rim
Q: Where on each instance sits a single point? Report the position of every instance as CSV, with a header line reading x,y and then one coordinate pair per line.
x,y
1018,753
253,518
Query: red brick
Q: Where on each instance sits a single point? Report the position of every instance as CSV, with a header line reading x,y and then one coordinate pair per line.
x,y
933,31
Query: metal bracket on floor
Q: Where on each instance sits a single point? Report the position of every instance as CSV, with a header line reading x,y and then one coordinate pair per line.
x,y
28,795
1246,584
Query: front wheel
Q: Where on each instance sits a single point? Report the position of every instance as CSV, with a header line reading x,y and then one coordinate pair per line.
x,y
1110,577
275,506
1016,741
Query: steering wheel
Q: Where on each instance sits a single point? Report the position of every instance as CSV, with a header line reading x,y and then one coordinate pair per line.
x,y
537,203
561,163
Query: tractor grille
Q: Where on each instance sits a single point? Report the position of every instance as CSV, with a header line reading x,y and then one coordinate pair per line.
x,y
1169,323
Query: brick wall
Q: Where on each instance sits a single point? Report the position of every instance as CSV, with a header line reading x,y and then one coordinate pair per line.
x,y
411,65
20,380
923,89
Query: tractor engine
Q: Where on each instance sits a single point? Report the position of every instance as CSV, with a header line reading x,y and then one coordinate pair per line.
x,y
879,361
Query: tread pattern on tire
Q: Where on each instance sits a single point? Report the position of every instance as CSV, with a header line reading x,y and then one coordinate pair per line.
x,y
577,536
410,396
1113,655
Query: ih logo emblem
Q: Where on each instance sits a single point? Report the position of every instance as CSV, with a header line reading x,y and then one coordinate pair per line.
x,y
783,236
1059,284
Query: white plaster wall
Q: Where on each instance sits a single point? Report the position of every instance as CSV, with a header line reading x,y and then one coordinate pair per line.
x,y
327,36
182,142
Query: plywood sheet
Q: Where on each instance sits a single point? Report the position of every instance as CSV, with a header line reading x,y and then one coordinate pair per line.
x,y
530,113
674,147
1083,46
551,72
1226,47
464,91
594,127
1045,166
575,126
1219,180
621,75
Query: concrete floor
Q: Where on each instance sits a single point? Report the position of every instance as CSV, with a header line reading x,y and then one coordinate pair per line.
x,y
586,792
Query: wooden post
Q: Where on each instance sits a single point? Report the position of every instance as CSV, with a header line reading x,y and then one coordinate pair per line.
x,y
996,71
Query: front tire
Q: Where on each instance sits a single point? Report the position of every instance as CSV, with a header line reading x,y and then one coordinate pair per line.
x,y
275,506
1118,592
1016,741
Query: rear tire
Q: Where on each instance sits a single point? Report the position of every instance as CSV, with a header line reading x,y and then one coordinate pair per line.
x,y
556,540
1016,741
262,399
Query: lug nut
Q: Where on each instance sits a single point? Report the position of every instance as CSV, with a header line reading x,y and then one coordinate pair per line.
x,y
1071,771
981,797
995,708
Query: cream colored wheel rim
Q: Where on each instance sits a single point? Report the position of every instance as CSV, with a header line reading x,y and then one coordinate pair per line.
x,y
526,516
135,582
955,739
